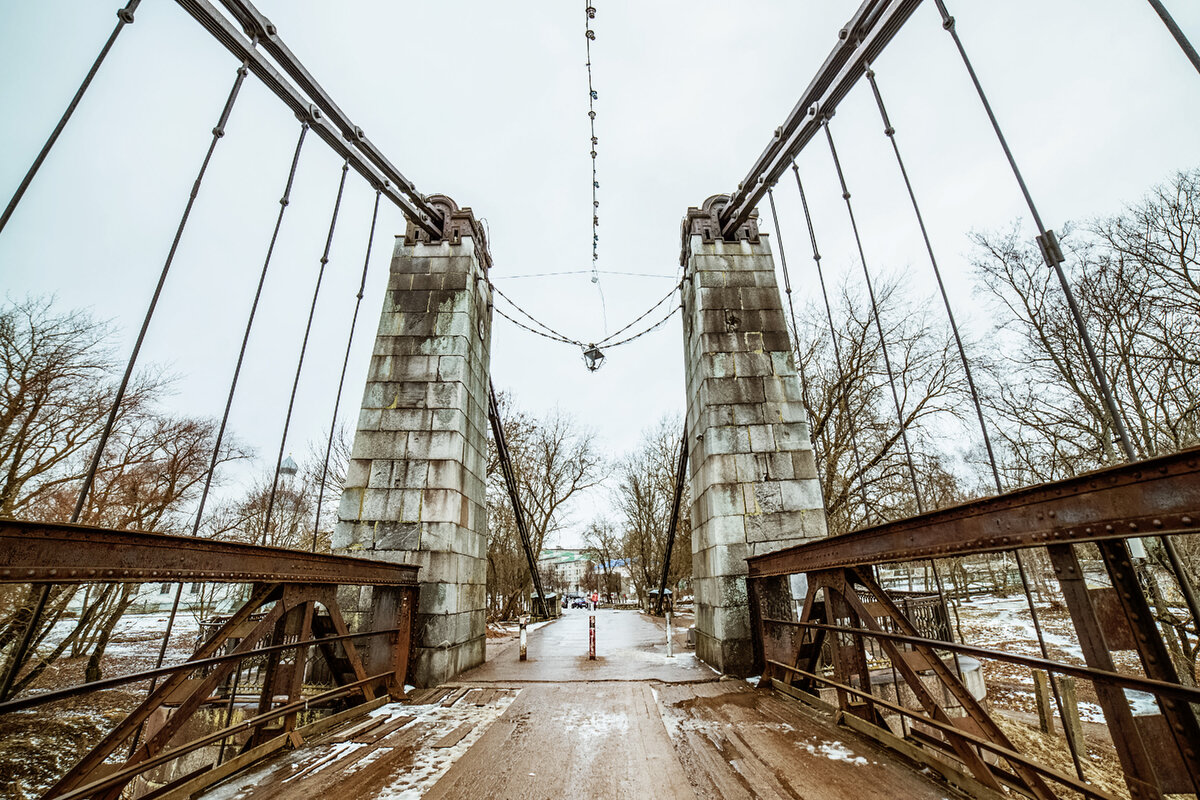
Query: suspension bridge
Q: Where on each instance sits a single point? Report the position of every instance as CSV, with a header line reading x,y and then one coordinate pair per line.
x,y
367,670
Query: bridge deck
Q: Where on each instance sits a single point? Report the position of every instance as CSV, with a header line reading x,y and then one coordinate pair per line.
x,y
632,724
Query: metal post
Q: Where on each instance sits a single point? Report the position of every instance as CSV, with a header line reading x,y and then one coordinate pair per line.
x,y
524,637
669,653
592,637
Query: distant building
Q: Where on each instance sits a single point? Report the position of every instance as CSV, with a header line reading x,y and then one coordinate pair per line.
x,y
569,569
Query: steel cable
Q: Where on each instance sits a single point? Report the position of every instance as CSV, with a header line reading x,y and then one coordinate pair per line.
x,y
890,131
124,17
1176,33
787,285
284,201
208,477
337,204
837,351
887,362
345,363
1053,258
218,132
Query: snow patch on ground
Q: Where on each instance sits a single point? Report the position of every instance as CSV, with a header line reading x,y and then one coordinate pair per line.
x,y
1011,624
428,764
595,725
836,751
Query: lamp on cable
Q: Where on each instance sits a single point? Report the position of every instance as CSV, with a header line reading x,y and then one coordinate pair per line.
x,y
593,357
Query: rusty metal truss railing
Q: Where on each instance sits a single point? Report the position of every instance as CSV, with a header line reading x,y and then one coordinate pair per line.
x,y
845,607
292,612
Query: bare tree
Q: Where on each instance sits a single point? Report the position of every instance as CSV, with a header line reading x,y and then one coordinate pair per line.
x,y
603,538
644,496
855,431
1136,276
553,459
57,392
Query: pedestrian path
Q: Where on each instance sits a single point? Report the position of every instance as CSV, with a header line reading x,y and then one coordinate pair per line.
x,y
634,723
630,646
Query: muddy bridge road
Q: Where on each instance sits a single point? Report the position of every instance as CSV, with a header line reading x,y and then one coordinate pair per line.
x,y
634,723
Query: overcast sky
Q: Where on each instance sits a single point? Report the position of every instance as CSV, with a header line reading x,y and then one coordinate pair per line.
x,y
487,102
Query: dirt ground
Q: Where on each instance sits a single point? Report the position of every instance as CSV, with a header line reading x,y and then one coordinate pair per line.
x,y
40,744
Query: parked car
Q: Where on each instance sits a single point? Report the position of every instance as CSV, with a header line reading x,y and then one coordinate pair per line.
x,y
579,602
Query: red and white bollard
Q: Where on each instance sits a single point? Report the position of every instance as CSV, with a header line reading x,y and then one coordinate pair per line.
x,y
592,638
524,620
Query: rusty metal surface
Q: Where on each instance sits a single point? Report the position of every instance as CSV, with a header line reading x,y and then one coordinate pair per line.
x,y
40,552
953,728
860,42
1183,693
290,615
1159,496
351,144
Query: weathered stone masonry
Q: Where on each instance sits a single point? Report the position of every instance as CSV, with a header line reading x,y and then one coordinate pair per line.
x,y
414,490
753,477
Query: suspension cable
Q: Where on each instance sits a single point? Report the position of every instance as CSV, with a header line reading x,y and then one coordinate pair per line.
x,y
645,314
208,477
237,370
673,525
1178,34
124,17
35,618
510,482
890,131
337,204
787,284
217,133
912,471
345,363
837,350
1047,242
1052,254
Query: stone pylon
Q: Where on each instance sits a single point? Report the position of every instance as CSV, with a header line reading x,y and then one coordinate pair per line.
x,y
414,489
753,477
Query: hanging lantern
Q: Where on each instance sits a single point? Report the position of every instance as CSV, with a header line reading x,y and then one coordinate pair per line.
x,y
592,358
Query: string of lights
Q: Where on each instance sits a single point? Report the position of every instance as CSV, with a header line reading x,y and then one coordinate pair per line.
x,y
587,271
645,314
546,332
592,355
552,334
543,334
651,329
590,12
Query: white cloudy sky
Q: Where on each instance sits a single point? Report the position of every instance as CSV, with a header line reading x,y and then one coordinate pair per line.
x,y
487,102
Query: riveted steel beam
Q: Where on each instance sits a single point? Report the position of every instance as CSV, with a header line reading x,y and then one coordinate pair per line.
x,y
860,41
311,104
1159,496
40,552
